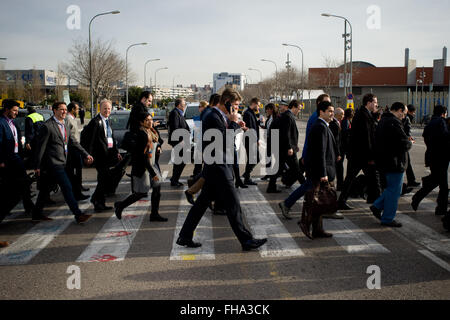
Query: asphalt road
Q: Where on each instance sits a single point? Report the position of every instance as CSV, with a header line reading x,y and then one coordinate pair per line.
x,y
139,260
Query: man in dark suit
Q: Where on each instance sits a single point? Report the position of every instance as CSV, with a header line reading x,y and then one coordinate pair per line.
x,y
253,124
145,101
437,139
288,145
219,183
54,140
15,184
321,160
177,121
104,150
407,121
362,152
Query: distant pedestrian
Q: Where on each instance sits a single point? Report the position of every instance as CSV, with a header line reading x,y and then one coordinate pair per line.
x,y
335,127
391,148
407,121
177,121
82,114
362,152
437,139
253,124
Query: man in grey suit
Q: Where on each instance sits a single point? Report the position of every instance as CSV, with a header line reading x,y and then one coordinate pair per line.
x,y
54,140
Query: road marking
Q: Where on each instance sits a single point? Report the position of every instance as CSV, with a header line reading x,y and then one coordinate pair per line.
x,y
37,238
203,234
352,238
115,238
264,223
435,259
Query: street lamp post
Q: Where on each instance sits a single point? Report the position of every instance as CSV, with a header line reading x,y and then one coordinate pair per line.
x,y
276,76
90,57
350,42
293,45
126,68
165,68
145,70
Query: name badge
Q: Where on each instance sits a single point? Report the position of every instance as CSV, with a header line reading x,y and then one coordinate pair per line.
x,y
16,147
65,147
110,143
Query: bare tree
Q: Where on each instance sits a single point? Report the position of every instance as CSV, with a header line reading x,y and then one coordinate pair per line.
x,y
108,67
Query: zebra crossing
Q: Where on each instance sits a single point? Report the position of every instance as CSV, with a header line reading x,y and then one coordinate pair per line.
x,y
115,237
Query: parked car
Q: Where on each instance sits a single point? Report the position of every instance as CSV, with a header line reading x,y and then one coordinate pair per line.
x,y
161,116
119,120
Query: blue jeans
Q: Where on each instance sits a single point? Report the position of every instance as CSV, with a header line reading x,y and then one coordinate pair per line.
x,y
388,201
58,175
298,193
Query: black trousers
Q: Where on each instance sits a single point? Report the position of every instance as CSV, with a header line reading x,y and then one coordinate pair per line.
x,y
98,197
372,177
438,177
221,189
249,166
177,170
410,177
15,186
74,171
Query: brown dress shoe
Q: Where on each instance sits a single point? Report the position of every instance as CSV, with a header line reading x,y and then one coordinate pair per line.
x,y
83,218
4,244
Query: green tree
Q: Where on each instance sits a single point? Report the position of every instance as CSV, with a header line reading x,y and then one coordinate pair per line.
x,y
133,95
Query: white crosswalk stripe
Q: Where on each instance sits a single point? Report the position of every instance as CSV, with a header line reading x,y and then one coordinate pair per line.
x,y
38,237
263,222
115,238
203,234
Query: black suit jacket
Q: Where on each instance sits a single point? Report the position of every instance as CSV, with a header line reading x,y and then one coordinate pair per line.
x,y
98,147
50,146
335,128
7,142
251,121
321,157
437,138
288,133
176,121
362,137
214,120
139,160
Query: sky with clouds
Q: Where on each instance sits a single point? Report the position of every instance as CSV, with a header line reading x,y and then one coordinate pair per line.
x,y
196,38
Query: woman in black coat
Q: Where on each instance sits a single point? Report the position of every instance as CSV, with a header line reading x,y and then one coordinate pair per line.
x,y
145,172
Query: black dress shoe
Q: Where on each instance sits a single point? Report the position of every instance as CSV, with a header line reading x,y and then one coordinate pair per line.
x,y
39,218
81,197
415,203
84,189
321,234
83,218
250,182
157,218
344,206
376,212
101,207
189,197
273,190
240,184
176,184
188,243
253,244
439,212
118,209
393,224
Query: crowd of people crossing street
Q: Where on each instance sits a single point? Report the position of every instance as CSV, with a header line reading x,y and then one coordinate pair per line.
x,y
373,141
